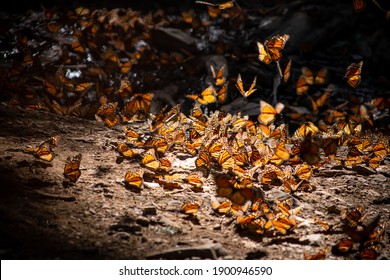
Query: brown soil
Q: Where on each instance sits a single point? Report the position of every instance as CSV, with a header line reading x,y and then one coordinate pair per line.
x,y
100,218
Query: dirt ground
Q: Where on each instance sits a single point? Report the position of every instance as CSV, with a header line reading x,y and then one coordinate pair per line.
x,y
100,218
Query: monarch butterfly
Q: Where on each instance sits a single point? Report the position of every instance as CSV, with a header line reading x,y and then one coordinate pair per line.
x,y
51,88
203,163
344,246
138,102
319,79
308,129
380,150
150,161
282,152
131,135
219,78
271,50
134,179
160,144
370,253
226,161
221,6
191,207
225,185
301,87
330,145
283,224
354,216
77,47
72,168
303,172
353,74
83,87
381,102
107,113
207,96
127,152
45,150
309,152
166,164
194,180
215,150
268,113
287,72
319,102
272,176
66,110
345,126
125,88
197,113
316,256
126,66
240,87
222,94
359,5
221,208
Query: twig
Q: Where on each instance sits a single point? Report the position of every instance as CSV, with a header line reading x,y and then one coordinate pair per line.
x,y
56,196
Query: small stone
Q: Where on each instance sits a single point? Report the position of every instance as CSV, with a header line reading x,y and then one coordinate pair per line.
x,y
149,211
142,221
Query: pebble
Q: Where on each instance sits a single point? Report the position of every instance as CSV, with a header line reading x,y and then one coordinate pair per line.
x,y
149,211
142,221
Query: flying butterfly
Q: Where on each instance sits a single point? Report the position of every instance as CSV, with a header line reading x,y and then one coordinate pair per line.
x,y
240,87
72,168
139,102
107,113
219,78
319,79
287,72
271,50
222,94
268,113
353,74
207,96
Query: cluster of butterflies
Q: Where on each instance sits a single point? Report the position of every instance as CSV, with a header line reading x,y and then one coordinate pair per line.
x,y
45,151
364,240
95,62
246,157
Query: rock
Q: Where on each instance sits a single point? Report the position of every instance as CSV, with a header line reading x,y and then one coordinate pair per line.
x,y
207,251
142,221
364,170
172,39
149,211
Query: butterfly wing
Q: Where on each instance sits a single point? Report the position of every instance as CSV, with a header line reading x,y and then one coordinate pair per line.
x,y
267,113
263,54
